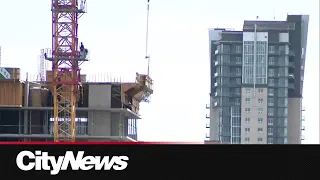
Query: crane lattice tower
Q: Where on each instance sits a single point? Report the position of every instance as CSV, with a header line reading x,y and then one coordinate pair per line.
x,y
66,59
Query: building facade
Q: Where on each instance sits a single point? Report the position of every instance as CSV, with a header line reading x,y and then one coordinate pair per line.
x,y
257,81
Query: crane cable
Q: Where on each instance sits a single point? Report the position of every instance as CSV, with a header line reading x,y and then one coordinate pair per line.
x,y
147,37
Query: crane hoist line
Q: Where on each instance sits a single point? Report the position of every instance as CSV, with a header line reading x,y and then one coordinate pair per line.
x,y
66,58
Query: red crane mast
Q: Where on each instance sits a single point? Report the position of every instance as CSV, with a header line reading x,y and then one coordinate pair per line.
x,y
66,59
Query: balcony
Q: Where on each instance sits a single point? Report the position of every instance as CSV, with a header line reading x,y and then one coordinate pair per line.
x,y
215,104
270,133
207,125
207,116
270,104
215,84
207,136
303,118
291,86
302,138
235,94
291,76
271,63
216,51
290,53
303,128
216,63
207,106
215,94
291,64
303,108
233,74
215,74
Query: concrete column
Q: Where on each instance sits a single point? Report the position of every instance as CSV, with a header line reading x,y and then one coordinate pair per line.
x,y
26,104
99,122
115,124
46,122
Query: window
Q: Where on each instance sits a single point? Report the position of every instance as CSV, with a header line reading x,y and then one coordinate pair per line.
x,y
260,110
260,90
270,92
248,90
270,121
247,110
246,49
237,91
237,101
247,140
270,111
272,49
238,60
247,100
270,102
238,49
259,140
238,80
271,72
260,100
271,60
247,120
246,60
260,130
282,49
260,120
263,49
270,131
226,48
271,82
247,130
238,71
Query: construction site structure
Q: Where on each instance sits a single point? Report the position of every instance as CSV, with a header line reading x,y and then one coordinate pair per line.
x,y
106,111
64,106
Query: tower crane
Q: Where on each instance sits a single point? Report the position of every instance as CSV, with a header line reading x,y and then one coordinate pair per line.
x,y
66,58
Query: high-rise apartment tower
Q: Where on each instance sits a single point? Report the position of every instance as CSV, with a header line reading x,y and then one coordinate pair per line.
x,y
257,81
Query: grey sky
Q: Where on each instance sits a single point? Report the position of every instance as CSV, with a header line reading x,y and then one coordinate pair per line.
x,y
114,32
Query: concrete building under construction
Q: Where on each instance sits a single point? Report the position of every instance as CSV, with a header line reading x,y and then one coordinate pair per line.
x,y
62,106
106,111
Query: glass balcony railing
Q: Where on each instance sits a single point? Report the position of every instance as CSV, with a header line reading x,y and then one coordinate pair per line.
x,y
207,136
207,125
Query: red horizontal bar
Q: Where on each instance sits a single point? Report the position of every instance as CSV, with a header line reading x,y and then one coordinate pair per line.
x,y
74,82
91,143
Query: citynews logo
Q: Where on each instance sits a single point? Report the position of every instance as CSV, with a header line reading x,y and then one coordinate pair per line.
x,y
42,161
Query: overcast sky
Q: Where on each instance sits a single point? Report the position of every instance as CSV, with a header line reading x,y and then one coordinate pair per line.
x,y
114,33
